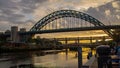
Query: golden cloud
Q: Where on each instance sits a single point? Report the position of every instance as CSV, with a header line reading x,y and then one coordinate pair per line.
x,y
116,4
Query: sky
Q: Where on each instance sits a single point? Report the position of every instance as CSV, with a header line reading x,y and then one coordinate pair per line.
x,y
25,13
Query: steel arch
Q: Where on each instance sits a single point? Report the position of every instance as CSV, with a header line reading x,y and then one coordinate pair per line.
x,y
67,13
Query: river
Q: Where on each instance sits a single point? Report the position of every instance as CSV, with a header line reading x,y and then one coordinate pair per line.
x,y
62,59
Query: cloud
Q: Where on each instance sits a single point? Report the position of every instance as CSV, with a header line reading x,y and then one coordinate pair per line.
x,y
16,12
28,12
28,6
54,5
4,25
108,13
116,4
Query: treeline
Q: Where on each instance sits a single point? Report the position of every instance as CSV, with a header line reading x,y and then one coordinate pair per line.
x,y
44,42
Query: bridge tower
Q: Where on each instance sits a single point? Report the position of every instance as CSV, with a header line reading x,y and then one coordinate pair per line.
x,y
14,34
23,37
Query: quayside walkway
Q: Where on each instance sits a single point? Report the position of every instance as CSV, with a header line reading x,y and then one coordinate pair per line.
x,y
93,62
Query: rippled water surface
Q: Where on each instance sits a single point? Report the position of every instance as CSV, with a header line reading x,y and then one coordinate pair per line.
x,y
53,60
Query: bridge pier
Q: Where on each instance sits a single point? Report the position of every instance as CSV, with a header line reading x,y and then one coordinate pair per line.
x,y
26,38
91,40
66,41
66,52
55,43
66,49
103,39
77,40
79,57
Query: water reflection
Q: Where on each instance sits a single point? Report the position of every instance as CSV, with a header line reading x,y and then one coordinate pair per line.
x,y
8,60
61,59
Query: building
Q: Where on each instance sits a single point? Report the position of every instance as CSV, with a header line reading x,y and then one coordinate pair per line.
x,y
14,34
23,38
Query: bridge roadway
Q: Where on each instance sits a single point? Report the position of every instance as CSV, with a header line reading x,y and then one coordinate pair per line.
x,y
72,29
81,38
75,45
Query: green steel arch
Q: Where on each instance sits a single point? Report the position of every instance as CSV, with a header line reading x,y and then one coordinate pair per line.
x,y
67,13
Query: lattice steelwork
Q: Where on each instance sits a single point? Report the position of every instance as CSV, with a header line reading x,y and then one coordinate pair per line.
x,y
59,19
66,22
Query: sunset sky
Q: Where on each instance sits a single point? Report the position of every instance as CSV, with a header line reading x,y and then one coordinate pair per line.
x,y
25,13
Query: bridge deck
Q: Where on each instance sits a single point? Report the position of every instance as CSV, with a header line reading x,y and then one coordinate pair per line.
x,y
71,29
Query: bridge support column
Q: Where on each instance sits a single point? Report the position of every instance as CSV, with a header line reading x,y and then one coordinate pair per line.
x,y
66,52
97,41
66,41
54,44
79,57
91,40
103,39
29,38
77,40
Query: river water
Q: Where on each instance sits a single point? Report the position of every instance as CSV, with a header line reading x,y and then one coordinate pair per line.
x,y
62,59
